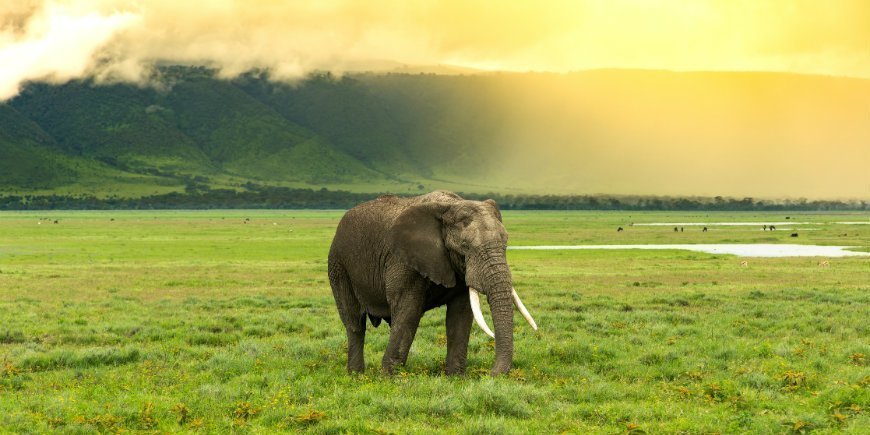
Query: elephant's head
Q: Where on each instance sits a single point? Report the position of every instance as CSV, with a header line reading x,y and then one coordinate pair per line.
x,y
466,239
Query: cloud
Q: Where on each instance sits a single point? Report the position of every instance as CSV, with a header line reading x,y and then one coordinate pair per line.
x,y
53,43
58,40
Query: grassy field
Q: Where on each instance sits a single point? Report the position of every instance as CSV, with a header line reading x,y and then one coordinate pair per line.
x,y
223,321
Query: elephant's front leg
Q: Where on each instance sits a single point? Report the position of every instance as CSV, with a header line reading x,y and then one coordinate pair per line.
x,y
459,320
406,308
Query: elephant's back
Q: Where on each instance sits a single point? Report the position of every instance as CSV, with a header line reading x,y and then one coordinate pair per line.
x,y
359,250
363,229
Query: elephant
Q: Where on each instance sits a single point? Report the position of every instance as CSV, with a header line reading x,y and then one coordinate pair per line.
x,y
395,258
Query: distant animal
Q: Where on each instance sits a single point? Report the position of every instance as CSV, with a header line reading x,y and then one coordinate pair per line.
x,y
824,263
787,217
681,229
619,229
744,263
794,234
395,258
772,228
764,227
55,221
705,229
676,229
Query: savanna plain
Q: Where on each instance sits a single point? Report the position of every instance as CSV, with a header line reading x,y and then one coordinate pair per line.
x,y
223,321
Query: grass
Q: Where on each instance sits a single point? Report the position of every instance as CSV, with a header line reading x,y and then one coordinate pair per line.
x,y
223,321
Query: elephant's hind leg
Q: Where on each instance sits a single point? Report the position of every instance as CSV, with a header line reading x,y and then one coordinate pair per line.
x,y
352,316
356,338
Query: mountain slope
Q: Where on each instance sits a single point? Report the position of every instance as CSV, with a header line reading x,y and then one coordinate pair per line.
x,y
249,139
423,125
117,124
31,160
200,128
29,157
342,111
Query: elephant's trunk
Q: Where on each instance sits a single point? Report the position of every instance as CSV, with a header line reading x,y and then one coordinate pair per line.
x,y
502,307
490,274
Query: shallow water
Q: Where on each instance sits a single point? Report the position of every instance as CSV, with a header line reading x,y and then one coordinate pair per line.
x,y
710,224
739,224
740,250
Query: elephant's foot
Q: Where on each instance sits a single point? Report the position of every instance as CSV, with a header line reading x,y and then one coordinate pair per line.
x,y
455,371
388,367
500,369
455,366
356,368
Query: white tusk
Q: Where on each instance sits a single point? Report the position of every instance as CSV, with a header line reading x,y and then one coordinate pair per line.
x,y
523,309
478,315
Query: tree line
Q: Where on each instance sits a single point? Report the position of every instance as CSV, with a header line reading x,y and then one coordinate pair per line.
x,y
267,197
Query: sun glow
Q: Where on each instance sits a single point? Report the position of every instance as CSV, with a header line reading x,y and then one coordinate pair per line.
x,y
634,130
294,37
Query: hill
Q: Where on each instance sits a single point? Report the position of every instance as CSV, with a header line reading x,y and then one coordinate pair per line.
x,y
604,131
29,153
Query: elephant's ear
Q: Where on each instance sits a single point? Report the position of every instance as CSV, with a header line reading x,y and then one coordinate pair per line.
x,y
416,238
495,206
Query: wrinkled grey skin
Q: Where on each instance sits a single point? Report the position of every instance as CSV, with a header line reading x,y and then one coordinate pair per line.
x,y
395,258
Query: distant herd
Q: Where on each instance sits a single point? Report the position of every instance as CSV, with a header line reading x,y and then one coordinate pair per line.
x,y
744,263
704,229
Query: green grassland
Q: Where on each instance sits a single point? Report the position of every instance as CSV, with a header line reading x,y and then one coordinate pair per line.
x,y
223,321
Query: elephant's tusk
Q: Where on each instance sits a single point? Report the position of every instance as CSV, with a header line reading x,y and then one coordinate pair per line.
x,y
478,315
523,309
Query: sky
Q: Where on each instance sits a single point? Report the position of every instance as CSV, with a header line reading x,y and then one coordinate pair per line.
x,y
60,40
123,40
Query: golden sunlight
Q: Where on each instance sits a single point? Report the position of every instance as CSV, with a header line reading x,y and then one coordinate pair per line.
x,y
294,37
717,98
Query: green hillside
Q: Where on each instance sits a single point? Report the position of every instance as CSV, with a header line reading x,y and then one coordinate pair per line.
x,y
422,126
606,131
115,124
248,139
200,130
29,156
33,161
343,112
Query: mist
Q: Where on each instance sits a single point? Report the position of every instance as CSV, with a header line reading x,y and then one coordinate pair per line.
x,y
113,40
655,132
